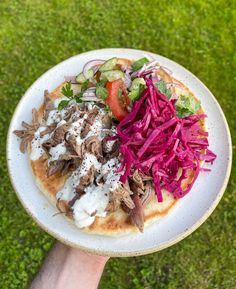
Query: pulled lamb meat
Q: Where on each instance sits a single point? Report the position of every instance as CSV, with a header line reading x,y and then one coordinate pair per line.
x,y
27,134
143,192
119,196
48,104
88,122
114,152
59,134
94,146
149,192
86,180
137,179
63,166
55,167
72,144
107,121
137,214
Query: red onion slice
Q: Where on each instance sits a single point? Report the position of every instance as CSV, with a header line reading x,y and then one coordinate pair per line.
x,y
89,93
91,98
70,78
127,80
146,67
92,64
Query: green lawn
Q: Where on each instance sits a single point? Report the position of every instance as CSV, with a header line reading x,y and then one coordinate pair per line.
x,y
201,35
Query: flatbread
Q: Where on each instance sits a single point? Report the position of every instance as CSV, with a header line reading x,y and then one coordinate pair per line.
x,y
118,222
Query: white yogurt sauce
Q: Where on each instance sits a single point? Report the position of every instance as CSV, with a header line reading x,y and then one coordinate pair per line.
x,y
92,203
57,151
109,145
68,191
36,145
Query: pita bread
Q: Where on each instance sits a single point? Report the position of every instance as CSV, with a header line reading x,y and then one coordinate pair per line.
x,y
118,222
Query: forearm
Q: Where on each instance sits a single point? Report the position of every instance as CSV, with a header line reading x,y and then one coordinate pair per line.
x,y
69,268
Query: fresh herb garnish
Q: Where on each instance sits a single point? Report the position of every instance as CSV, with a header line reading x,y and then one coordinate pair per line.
x,y
139,63
67,90
107,108
84,85
102,82
161,86
101,92
78,96
63,104
186,105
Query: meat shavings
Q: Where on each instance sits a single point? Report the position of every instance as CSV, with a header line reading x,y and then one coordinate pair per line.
x,y
26,135
94,146
122,194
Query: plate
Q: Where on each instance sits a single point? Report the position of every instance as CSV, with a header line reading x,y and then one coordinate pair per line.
x,y
189,213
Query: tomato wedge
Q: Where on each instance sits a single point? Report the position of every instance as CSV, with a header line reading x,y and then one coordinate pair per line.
x,y
117,103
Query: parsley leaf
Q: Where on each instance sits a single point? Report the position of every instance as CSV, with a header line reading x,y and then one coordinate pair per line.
x,y
161,86
186,105
139,63
84,85
63,104
78,97
107,108
101,92
67,90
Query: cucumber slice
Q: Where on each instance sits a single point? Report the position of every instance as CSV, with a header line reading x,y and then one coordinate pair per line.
x,y
112,75
89,74
136,83
109,64
80,78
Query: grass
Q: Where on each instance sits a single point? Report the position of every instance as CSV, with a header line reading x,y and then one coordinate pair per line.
x,y
37,34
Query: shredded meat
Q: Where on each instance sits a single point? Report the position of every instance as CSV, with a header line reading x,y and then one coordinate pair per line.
x,y
72,145
48,104
94,146
135,188
114,152
27,134
122,194
136,214
88,122
137,179
107,121
55,167
63,166
49,129
86,180
70,112
70,166
148,193
59,134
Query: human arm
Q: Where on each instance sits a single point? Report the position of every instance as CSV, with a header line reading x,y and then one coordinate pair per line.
x,y
69,268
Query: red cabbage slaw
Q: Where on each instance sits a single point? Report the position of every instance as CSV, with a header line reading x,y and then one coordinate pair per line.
x,y
154,140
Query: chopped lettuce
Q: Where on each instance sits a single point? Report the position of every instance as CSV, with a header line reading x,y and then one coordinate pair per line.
x,y
186,105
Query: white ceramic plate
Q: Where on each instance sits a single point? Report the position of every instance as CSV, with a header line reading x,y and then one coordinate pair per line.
x,y
186,217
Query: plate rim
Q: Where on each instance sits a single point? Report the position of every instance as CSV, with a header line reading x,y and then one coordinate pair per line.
x,y
153,249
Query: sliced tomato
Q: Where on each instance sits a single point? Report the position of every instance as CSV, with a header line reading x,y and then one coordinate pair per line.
x,y
117,103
